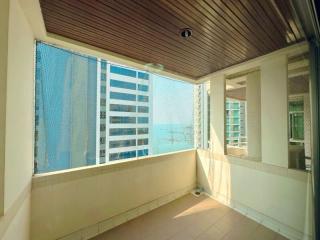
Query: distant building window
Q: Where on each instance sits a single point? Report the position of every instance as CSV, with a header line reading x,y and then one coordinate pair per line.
x,y
122,108
103,89
143,152
143,120
122,155
143,109
122,131
123,96
102,115
122,84
143,98
123,71
104,65
103,77
122,143
102,153
102,127
144,76
102,140
122,120
143,130
102,102
144,88
144,141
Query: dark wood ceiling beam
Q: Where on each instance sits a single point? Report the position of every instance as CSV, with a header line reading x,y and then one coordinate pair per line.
x,y
225,32
199,38
172,32
158,32
249,43
215,30
270,37
245,25
276,20
189,72
286,12
94,28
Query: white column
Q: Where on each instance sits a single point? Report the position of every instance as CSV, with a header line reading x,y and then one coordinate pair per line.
x,y
253,97
217,114
274,111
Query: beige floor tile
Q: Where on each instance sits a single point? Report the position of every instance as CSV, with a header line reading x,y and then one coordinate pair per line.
x,y
191,218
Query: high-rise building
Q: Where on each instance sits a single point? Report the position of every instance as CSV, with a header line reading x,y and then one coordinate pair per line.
x,y
235,122
125,112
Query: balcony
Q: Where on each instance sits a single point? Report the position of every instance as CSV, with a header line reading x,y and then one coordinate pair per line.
x,y
159,120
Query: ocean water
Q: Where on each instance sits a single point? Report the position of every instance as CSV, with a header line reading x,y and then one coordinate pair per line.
x,y
171,137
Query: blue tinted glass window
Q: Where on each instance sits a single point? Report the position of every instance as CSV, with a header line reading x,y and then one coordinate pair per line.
x,y
144,88
122,120
103,89
143,120
123,71
103,77
144,76
144,141
122,143
143,130
143,109
122,131
103,65
122,155
143,152
143,98
60,119
122,96
122,84
102,102
122,108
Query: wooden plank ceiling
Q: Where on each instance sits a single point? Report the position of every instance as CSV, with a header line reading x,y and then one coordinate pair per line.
x,y
224,32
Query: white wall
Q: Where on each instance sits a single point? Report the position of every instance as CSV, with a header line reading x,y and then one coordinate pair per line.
x,y
264,189
64,203
274,111
18,126
278,197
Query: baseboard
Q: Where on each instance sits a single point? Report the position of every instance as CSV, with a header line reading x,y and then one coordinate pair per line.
x,y
264,220
107,224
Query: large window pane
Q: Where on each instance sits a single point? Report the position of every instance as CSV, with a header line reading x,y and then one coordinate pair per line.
x,y
65,126
172,121
299,116
137,113
236,116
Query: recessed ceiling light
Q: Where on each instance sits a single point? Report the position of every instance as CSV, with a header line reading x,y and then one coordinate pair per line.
x,y
185,32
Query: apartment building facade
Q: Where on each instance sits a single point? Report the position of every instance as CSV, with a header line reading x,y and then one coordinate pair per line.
x,y
125,112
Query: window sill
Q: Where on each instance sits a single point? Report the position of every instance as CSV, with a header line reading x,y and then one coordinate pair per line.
x,y
257,164
88,171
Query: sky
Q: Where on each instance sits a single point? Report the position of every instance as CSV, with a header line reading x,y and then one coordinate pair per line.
x,y
172,101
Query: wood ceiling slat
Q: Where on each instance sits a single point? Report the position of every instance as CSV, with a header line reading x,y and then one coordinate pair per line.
x,y
157,32
174,31
84,37
250,43
253,9
199,38
97,23
207,33
196,17
274,39
275,20
225,32
139,42
87,38
285,10
245,25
